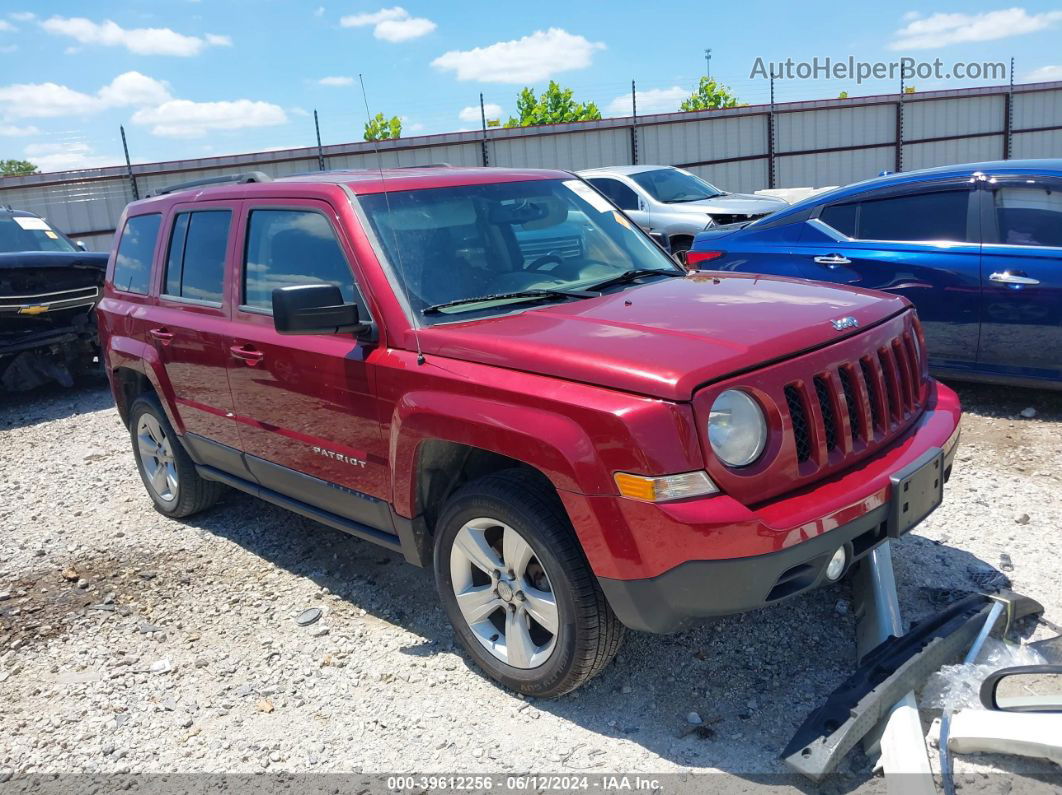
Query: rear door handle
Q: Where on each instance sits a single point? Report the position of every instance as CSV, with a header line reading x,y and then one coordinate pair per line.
x,y
163,335
247,354
1012,277
833,260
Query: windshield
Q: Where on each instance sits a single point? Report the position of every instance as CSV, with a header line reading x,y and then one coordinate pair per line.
x,y
510,244
671,185
29,233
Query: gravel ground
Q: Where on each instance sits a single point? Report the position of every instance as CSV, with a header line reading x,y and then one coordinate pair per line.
x,y
129,642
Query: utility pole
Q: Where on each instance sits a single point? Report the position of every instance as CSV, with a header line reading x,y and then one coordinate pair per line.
x,y
708,62
483,119
320,152
129,166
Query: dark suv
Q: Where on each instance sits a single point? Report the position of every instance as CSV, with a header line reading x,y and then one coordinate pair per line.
x,y
575,440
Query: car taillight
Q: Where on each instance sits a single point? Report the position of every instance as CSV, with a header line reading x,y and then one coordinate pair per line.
x,y
694,258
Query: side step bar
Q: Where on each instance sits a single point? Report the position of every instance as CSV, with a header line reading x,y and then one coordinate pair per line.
x,y
349,526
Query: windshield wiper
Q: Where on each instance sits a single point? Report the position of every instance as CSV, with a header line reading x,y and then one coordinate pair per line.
x,y
537,293
631,275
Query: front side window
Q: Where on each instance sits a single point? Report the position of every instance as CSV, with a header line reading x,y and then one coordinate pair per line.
x,y
620,195
470,251
1028,216
132,264
940,215
290,247
195,264
674,186
29,233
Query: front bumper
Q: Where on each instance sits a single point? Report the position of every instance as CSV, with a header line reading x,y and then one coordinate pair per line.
x,y
782,563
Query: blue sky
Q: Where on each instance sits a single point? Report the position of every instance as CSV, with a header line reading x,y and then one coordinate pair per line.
x,y
199,78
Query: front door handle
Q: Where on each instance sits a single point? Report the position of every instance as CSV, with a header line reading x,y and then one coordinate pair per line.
x,y
833,260
163,335
247,354
1012,277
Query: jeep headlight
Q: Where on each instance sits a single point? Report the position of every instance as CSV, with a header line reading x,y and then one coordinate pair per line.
x,y
737,429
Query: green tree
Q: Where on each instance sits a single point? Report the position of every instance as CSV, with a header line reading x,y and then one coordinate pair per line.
x,y
709,96
13,168
843,95
554,106
379,128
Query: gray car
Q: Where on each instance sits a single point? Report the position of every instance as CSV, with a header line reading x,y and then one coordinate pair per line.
x,y
674,202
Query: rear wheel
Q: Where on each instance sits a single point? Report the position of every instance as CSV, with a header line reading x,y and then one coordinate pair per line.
x,y
168,473
515,584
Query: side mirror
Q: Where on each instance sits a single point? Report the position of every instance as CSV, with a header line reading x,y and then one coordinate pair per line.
x,y
1027,688
314,309
81,245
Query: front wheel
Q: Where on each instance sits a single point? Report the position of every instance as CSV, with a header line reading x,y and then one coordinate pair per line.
x,y
517,589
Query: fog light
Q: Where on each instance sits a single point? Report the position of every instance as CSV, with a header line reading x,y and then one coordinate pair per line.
x,y
836,564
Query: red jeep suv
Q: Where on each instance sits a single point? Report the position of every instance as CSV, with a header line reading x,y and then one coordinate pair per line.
x,y
496,373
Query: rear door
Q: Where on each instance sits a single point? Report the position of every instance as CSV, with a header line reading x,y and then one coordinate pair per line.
x,y
922,243
305,403
1021,269
189,326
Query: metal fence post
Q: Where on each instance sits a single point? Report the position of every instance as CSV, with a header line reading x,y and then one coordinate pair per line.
x,y
899,128
129,166
634,125
1008,116
770,138
320,151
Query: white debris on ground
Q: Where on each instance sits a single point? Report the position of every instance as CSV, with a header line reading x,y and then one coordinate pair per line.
x,y
249,639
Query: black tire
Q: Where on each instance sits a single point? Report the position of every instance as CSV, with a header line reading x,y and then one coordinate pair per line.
x,y
589,634
193,494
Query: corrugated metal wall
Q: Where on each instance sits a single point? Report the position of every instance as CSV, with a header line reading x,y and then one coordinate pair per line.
x,y
819,143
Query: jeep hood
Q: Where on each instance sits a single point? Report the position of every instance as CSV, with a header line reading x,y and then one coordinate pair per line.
x,y
667,337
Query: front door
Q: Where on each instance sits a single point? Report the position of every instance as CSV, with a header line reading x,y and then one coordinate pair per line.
x,y
305,403
1021,271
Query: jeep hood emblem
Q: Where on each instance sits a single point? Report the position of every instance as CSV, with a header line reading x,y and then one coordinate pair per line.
x,y
845,322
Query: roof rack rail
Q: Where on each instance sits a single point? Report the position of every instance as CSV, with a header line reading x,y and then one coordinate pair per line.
x,y
245,177
427,165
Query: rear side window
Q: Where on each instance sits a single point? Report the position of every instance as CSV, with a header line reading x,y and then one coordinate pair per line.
x,y
1029,216
940,215
623,197
132,265
195,264
288,247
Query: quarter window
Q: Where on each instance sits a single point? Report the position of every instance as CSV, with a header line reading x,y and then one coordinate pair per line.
x,y
1029,216
132,265
289,247
841,217
195,264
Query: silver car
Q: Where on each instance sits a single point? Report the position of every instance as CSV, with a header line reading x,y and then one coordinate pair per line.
x,y
675,203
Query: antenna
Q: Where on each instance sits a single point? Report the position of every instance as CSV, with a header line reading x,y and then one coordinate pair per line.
x,y
387,201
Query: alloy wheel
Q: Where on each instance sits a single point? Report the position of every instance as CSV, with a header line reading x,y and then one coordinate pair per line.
x,y
504,593
156,458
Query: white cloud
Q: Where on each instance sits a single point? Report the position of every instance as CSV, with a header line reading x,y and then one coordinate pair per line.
x,y
4,25
471,113
528,60
142,41
654,100
182,118
22,16
1044,74
66,156
391,24
297,111
49,100
11,131
337,80
940,30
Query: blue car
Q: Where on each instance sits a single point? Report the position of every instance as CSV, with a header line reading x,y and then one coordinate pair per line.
x,y
977,248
